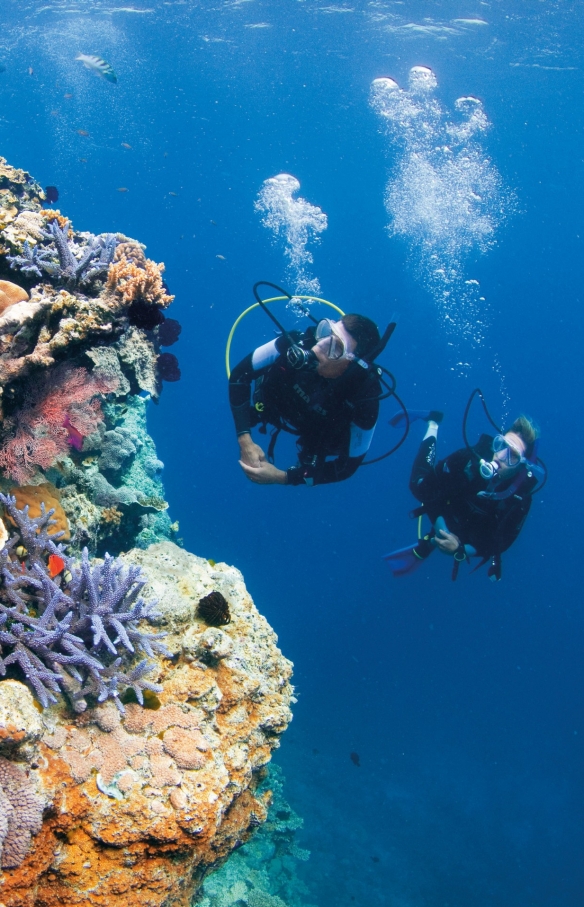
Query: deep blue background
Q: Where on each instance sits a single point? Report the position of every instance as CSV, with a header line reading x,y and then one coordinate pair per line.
x,y
463,701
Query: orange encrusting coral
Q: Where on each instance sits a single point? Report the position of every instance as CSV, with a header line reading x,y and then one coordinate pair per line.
x,y
45,493
132,276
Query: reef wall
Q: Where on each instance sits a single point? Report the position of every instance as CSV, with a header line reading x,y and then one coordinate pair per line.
x,y
142,694
82,324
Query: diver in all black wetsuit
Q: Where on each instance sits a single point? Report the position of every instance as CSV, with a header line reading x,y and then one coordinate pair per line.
x,y
330,402
477,499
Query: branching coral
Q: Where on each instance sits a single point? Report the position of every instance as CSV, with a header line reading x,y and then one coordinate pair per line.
x,y
82,639
64,259
134,277
58,412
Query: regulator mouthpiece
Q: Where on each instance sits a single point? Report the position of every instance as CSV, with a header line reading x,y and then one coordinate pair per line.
x,y
299,358
488,469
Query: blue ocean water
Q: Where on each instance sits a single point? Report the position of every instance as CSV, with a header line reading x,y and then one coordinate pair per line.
x,y
463,701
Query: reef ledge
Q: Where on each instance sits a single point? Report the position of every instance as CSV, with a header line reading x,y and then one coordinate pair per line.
x,y
135,809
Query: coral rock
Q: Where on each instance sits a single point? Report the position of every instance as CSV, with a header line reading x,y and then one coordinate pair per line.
x,y
20,722
143,804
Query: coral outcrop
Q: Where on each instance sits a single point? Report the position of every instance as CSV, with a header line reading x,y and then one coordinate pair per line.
x,y
80,355
137,807
141,693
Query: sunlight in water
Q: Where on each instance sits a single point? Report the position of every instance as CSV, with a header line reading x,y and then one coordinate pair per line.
x,y
444,195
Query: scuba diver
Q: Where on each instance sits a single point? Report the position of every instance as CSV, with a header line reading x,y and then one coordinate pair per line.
x,y
319,385
477,498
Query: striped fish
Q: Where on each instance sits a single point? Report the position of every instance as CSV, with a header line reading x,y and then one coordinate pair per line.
x,y
96,64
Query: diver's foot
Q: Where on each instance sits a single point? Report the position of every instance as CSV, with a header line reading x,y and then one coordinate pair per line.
x,y
435,416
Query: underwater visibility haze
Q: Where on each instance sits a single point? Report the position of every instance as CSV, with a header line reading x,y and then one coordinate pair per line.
x,y
418,161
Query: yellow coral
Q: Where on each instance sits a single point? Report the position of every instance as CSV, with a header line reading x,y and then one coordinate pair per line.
x,y
132,276
50,215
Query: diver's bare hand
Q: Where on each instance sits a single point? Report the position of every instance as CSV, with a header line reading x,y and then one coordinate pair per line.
x,y
265,474
447,541
251,453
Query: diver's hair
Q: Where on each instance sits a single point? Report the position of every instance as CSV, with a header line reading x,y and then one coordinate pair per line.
x,y
364,331
527,430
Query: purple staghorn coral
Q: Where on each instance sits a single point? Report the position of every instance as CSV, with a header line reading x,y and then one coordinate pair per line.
x,y
66,261
80,637
21,813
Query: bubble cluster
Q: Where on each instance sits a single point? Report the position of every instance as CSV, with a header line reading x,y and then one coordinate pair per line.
x,y
297,223
445,196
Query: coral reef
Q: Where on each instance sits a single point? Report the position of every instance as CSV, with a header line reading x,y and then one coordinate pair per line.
x,y
264,872
138,807
133,735
80,317
81,637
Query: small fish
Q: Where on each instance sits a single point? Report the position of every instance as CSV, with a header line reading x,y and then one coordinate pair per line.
x,y
354,757
68,96
21,551
74,437
67,577
125,145
211,562
2,68
52,194
56,565
214,223
54,113
82,132
222,257
82,160
123,189
173,193
97,65
30,71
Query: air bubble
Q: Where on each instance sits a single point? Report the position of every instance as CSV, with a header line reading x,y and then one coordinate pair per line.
x,y
445,196
297,223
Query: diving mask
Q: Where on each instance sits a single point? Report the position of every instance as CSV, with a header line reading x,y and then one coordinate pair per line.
x,y
334,347
505,455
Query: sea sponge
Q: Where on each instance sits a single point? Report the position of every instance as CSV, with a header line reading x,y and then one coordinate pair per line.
x,y
34,496
10,294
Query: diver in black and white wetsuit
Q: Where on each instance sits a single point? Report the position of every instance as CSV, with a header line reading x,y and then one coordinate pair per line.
x,y
325,398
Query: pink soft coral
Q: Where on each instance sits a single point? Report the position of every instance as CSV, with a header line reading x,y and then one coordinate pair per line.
x,y
65,400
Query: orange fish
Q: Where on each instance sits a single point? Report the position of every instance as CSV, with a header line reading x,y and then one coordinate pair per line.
x,y
56,565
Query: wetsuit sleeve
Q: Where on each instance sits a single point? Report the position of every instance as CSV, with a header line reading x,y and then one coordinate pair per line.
x,y
360,435
241,380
